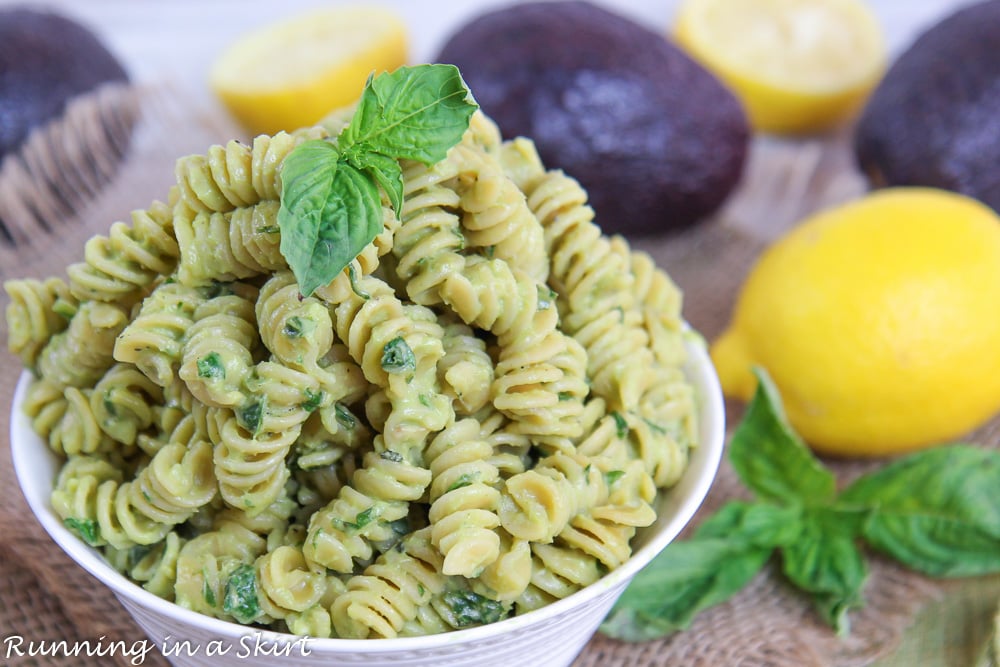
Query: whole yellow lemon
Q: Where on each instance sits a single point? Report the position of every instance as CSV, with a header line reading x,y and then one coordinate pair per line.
x,y
879,322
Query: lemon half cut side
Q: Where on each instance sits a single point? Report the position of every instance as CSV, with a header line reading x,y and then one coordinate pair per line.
x,y
291,74
798,66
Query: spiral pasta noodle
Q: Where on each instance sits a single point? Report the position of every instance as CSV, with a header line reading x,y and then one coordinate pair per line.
x,y
428,246
390,591
234,245
79,356
218,350
466,371
236,175
122,403
38,310
166,492
496,213
464,499
118,267
154,339
206,564
251,443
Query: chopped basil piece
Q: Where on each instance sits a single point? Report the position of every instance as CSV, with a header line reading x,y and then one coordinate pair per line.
x,y
465,479
87,529
397,357
344,417
613,476
352,275
621,426
296,327
208,593
240,599
313,400
470,608
210,367
250,416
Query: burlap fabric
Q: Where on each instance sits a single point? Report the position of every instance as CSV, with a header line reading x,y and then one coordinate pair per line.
x,y
43,595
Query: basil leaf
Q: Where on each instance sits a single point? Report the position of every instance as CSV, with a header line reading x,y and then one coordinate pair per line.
x,y
469,608
612,476
329,212
723,555
250,416
413,113
345,417
313,400
397,357
88,529
297,327
935,511
210,367
240,599
826,562
621,426
386,172
771,458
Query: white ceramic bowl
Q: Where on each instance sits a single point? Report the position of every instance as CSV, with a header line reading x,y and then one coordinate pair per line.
x,y
551,636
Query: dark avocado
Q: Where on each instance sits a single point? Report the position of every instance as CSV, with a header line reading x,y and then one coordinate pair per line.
x,y
657,141
45,60
934,120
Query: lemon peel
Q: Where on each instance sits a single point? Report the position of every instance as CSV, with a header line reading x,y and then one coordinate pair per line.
x,y
798,66
877,320
291,74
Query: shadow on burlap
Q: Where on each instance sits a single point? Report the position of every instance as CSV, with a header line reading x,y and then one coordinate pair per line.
x,y
46,596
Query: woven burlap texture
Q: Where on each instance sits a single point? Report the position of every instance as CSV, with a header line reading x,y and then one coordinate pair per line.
x,y
46,596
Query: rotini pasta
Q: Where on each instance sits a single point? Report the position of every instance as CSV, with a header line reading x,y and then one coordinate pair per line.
x,y
471,420
154,340
37,311
79,356
117,268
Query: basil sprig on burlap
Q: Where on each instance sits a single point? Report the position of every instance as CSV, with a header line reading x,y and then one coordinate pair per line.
x,y
934,511
331,207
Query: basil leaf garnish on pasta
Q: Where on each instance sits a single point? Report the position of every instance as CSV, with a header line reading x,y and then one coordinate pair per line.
x,y
240,599
414,113
331,206
329,212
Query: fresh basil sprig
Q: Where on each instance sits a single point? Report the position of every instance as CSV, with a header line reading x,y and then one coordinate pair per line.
x,y
933,511
331,207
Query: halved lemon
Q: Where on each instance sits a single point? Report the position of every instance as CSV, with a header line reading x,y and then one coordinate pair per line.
x,y
798,66
288,75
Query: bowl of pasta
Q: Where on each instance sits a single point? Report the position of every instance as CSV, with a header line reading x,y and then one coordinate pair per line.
x,y
457,449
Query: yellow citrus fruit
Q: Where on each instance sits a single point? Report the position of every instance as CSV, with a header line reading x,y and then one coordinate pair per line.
x,y
798,66
878,321
290,74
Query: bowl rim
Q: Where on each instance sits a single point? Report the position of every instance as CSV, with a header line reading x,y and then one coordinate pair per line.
x,y
698,369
